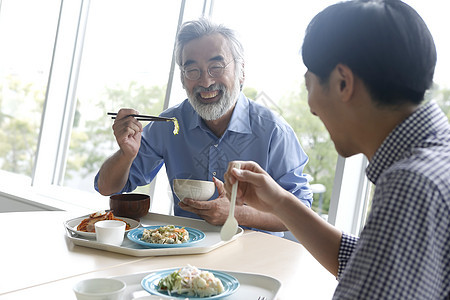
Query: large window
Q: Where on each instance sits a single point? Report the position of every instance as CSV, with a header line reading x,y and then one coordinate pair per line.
x,y
125,63
27,41
65,64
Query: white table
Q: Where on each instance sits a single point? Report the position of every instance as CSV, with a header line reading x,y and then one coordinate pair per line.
x,y
38,261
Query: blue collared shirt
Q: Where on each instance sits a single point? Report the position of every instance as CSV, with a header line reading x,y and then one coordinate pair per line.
x,y
254,133
404,249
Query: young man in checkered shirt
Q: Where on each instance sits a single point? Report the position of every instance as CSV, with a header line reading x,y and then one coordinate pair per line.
x,y
369,65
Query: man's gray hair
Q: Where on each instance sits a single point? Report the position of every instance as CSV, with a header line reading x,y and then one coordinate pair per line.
x,y
192,30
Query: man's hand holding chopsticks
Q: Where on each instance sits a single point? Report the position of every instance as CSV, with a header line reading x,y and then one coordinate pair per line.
x,y
127,130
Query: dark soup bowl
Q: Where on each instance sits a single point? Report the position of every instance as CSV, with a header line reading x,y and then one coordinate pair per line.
x,y
130,205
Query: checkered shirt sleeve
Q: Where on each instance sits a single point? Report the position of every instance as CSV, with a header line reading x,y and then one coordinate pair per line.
x,y
348,245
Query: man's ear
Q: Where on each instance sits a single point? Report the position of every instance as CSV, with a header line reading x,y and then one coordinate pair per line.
x,y
346,79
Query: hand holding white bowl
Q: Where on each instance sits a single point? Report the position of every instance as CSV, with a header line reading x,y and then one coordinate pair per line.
x,y
194,189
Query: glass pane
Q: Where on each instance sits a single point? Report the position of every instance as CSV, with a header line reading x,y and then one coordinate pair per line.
x,y
274,76
27,40
192,11
125,63
434,14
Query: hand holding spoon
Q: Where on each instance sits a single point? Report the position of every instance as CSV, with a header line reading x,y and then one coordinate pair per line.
x,y
230,227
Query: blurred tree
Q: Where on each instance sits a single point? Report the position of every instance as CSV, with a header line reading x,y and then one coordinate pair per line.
x,y
314,139
21,105
92,140
441,96
19,151
250,92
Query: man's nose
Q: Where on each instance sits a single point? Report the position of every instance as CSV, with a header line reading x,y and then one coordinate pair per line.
x,y
205,79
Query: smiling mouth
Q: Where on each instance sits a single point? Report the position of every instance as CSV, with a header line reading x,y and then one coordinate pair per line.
x,y
209,94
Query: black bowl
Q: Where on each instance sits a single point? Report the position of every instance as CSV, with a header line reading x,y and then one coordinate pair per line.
x,y
130,205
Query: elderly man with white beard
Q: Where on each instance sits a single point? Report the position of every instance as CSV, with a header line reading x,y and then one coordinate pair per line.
x,y
218,124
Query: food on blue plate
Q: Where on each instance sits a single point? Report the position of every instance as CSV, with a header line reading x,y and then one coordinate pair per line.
x,y
191,281
87,225
169,234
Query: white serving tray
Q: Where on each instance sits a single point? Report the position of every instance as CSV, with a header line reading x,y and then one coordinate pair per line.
x,y
212,238
251,286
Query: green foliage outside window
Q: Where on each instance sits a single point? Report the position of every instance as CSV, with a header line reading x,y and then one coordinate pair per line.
x,y
21,105
93,141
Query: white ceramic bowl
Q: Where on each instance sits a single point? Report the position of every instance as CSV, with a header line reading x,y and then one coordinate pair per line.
x,y
110,232
99,289
194,189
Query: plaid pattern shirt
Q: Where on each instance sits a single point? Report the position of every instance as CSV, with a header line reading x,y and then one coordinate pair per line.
x,y
404,249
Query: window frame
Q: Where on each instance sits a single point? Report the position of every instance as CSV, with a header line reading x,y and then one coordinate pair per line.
x,y
350,196
57,119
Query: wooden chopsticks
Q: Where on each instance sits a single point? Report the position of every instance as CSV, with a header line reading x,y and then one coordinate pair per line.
x,y
142,117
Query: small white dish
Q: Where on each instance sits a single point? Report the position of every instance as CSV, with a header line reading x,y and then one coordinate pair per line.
x,y
99,289
110,232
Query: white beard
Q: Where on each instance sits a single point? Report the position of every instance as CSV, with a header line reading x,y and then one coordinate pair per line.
x,y
213,111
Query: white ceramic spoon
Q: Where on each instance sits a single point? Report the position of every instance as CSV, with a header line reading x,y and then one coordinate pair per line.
x,y
230,227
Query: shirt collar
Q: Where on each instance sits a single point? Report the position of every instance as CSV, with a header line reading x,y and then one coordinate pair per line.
x,y
404,137
240,119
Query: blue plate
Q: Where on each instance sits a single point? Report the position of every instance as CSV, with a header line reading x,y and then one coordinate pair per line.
x,y
150,284
195,236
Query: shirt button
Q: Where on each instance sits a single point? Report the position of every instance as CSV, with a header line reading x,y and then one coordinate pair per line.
x,y
214,173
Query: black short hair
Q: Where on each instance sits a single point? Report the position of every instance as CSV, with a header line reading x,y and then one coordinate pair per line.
x,y
384,42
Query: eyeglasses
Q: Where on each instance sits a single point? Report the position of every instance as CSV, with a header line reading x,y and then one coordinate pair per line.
x,y
215,70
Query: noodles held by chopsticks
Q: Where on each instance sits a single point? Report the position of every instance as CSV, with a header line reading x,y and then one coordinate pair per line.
x,y
176,126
